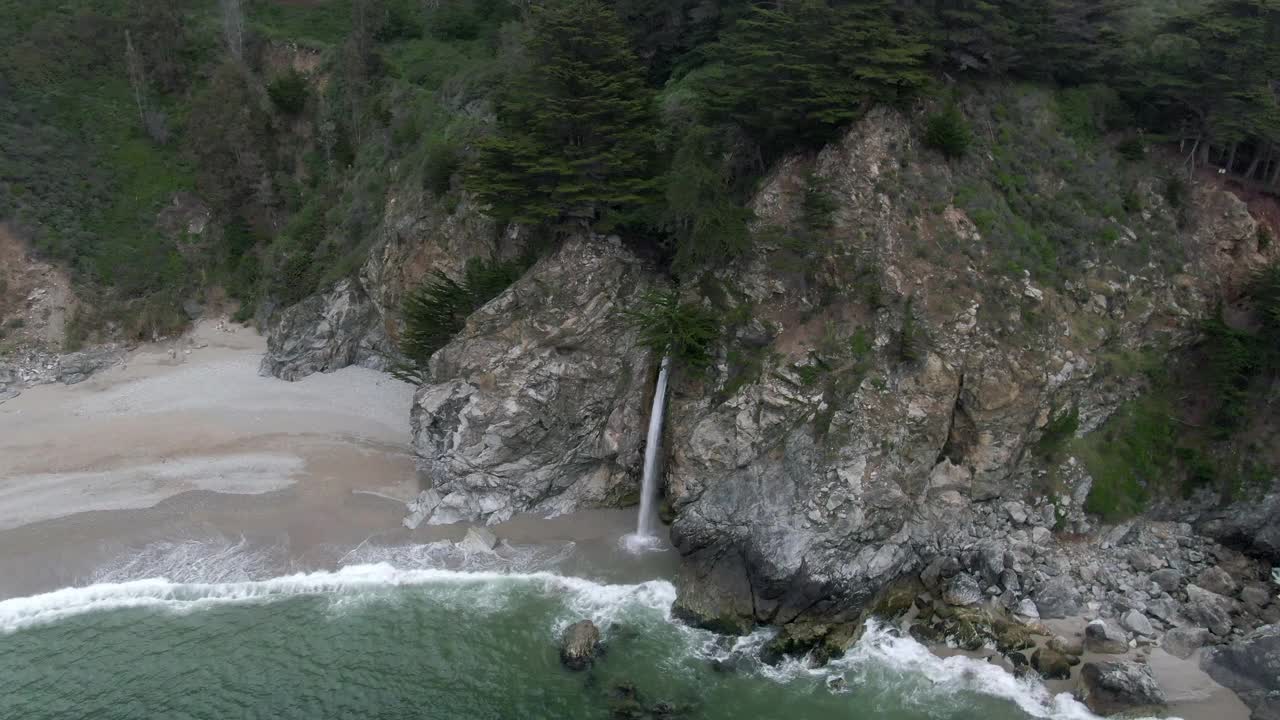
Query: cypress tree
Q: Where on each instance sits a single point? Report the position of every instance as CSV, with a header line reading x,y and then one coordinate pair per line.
x,y
796,75
576,122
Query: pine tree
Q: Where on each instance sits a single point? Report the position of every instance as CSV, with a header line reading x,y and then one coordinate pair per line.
x,y
576,123
796,75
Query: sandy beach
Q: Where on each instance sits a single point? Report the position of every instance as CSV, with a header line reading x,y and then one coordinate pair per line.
x,y
185,449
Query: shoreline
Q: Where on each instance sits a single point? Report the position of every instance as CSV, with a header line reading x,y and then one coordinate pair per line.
x,y
184,446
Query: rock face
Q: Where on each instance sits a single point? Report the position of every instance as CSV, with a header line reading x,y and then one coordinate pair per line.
x,y
579,645
34,366
1254,526
807,476
539,404
1251,667
1112,687
323,333
356,321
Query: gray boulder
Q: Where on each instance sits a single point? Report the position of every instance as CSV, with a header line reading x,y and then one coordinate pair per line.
x,y
1167,611
962,590
539,404
1256,595
1168,579
579,645
1210,610
1135,621
478,540
1253,526
1216,580
1112,687
1051,664
77,367
1182,642
1250,667
1101,636
1058,598
1066,646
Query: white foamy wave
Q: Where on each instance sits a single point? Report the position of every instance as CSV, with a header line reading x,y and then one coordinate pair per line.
x,y
459,556
881,655
601,602
208,560
884,650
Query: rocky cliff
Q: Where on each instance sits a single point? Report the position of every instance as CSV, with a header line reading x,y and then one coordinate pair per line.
x,y
855,455
892,394
539,404
356,322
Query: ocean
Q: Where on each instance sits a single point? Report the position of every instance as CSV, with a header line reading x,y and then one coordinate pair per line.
x,y
396,639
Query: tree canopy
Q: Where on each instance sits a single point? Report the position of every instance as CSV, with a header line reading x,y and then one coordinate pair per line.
x,y
576,122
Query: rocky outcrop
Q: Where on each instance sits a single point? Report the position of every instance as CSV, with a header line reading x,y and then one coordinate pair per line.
x,y
539,404
78,366
1112,687
1252,526
324,333
579,645
1251,667
828,454
356,321
1105,638
34,366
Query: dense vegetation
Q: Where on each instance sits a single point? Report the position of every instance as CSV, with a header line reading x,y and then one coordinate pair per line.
x,y
1205,424
290,122
650,116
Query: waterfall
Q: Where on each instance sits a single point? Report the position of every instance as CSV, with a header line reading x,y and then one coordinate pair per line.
x,y
649,482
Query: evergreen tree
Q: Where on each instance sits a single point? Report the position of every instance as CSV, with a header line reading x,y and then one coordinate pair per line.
x,y
796,75
706,221
1208,78
576,122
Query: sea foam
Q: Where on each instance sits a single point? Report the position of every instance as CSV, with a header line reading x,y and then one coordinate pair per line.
x,y
603,603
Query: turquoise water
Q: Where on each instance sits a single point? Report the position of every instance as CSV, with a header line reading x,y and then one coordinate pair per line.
x,y
374,641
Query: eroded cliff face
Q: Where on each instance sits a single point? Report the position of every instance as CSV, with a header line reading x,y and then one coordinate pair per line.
x,y
539,404
879,405
357,321
892,399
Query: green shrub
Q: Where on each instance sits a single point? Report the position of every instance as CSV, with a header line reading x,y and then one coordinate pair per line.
x,y
1132,201
443,161
948,133
1176,191
1131,458
1131,149
438,308
1057,433
289,92
686,332
913,343
1232,362
818,205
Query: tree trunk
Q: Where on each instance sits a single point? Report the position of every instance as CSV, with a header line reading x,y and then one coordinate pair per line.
x,y
1253,164
233,27
1231,158
133,64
